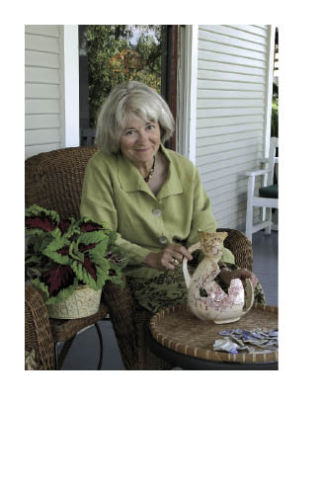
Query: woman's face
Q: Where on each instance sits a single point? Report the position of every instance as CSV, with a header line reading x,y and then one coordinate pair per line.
x,y
140,140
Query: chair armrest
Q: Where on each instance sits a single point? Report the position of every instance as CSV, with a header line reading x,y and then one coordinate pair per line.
x,y
258,172
38,335
240,246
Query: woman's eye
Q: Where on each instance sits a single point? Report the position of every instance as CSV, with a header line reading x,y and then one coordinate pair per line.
x,y
150,126
128,133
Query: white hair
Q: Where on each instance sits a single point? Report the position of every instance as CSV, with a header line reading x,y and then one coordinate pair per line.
x,y
125,100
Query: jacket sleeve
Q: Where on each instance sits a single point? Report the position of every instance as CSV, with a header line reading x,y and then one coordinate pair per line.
x,y
97,203
203,217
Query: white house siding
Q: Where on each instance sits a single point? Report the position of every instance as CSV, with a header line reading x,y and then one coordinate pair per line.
x,y
232,89
44,98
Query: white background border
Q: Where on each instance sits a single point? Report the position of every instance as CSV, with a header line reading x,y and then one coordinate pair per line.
x,y
180,425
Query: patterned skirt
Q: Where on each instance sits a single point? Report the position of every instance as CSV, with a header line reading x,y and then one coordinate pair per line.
x,y
169,288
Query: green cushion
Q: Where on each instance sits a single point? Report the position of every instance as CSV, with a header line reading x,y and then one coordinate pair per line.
x,y
269,191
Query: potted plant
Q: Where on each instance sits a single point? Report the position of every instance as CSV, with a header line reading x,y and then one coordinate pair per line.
x,y
69,261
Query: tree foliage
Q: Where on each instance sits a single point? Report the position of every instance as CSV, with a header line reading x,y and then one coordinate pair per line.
x,y
118,53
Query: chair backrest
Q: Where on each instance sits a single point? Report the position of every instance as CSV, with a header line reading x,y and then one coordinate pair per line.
x,y
272,148
270,161
54,179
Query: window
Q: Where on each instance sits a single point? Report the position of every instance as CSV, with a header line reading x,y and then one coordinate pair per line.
x,y
111,54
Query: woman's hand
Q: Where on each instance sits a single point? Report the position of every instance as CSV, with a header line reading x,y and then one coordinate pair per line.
x,y
169,258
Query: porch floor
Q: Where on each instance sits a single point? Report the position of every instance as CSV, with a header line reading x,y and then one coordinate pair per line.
x,y
83,354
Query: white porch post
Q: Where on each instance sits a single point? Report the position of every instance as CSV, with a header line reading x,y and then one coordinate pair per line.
x,y
71,86
187,91
269,90
193,93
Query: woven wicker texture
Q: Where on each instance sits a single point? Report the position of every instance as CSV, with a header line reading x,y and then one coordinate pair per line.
x,y
38,335
179,330
240,246
54,179
147,360
63,330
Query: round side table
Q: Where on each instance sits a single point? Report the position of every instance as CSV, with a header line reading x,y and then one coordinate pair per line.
x,y
177,336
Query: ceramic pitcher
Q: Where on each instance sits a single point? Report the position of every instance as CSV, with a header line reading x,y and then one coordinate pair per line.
x,y
206,298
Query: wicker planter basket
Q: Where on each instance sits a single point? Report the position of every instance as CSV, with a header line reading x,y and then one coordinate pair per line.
x,y
83,302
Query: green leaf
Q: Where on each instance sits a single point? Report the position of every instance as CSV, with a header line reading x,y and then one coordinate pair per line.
x,y
74,253
115,274
41,221
41,286
56,245
32,272
96,280
33,258
92,237
36,210
98,238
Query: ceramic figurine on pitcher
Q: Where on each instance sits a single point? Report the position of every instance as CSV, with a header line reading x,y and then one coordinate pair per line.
x,y
206,298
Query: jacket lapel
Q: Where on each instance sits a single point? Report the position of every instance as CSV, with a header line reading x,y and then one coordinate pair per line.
x,y
131,181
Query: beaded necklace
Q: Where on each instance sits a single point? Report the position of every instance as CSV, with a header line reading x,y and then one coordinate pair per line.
x,y
150,173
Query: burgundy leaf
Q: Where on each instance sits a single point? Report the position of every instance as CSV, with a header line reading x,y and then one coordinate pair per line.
x,y
89,226
90,266
86,247
64,225
43,223
63,251
57,278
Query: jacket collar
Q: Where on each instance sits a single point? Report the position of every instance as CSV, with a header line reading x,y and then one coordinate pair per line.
x,y
131,181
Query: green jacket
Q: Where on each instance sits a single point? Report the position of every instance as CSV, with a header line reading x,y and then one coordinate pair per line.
x,y
114,192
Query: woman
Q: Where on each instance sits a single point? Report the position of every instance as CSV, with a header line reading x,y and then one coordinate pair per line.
x,y
152,196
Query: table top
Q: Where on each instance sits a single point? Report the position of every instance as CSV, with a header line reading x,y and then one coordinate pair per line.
x,y
179,331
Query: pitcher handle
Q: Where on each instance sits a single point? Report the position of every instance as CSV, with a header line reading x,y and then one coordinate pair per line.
x,y
249,296
187,277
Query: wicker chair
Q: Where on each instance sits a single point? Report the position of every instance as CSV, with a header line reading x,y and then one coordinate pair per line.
x,y
54,180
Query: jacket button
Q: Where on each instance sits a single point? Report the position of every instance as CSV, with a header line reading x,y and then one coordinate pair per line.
x,y
156,212
163,239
